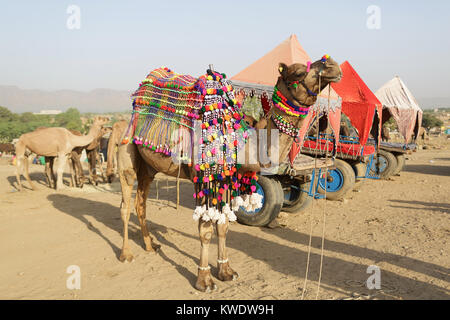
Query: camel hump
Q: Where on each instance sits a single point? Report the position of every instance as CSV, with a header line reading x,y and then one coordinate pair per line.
x,y
166,78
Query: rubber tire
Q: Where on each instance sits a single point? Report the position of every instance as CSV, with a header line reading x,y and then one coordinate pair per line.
x,y
391,164
400,157
302,199
349,181
271,206
360,169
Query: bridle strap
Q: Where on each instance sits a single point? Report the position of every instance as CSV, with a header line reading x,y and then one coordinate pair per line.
x,y
302,82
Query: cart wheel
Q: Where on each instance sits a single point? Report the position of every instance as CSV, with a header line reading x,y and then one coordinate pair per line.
x,y
360,171
296,198
271,191
400,163
340,181
387,164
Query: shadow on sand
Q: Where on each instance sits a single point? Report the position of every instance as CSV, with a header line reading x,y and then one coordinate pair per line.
x,y
428,169
281,258
421,205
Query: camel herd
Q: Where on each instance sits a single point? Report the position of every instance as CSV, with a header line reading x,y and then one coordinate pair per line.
x,y
66,146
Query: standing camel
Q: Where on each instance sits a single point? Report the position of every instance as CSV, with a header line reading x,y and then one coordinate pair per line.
x,y
92,156
52,142
118,130
298,84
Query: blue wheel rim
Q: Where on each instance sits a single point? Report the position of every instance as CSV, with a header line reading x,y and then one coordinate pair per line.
x,y
336,181
383,164
261,192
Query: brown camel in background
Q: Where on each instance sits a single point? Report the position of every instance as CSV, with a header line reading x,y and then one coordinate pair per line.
x,y
118,129
52,142
141,163
92,155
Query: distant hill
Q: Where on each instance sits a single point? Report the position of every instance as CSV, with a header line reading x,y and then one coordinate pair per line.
x,y
33,100
103,100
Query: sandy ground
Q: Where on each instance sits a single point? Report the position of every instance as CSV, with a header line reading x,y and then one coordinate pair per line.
x,y
402,226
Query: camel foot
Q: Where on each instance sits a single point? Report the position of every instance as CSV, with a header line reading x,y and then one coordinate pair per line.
x,y
204,282
154,248
226,273
126,256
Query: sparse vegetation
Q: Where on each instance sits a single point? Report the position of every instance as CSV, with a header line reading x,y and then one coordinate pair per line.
x,y
12,125
430,121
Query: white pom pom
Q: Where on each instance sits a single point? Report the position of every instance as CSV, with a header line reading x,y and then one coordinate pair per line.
x,y
198,212
256,200
236,203
222,219
232,216
246,203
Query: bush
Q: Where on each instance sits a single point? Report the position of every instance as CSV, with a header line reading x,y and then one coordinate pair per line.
x,y
429,121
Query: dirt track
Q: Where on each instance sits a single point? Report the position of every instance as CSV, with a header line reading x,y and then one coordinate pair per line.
x,y
402,226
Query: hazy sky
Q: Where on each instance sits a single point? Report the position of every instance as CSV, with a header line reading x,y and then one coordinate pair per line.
x,y
119,42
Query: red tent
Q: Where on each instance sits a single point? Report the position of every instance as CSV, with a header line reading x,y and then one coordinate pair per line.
x,y
358,101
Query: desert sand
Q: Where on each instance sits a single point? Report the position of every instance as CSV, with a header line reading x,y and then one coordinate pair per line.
x,y
401,225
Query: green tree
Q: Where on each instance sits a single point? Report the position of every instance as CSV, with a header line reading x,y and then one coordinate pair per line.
x,y
71,119
5,114
429,121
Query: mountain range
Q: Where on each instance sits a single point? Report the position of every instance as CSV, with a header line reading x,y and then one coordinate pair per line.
x,y
103,100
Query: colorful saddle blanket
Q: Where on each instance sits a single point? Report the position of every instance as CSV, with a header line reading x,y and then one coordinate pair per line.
x,y
197,121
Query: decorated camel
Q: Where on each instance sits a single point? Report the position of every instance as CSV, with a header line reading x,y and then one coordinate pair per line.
x,y
118,129
221,184
52,142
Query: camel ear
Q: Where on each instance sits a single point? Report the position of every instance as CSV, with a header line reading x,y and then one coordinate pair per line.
x,y
282,68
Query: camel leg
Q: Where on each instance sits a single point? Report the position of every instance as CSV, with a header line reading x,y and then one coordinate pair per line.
x,y
92,158
204,279
144,181
225,271
26,173
79,175
19,168
52,173
62,158
127,176
72,182
49,172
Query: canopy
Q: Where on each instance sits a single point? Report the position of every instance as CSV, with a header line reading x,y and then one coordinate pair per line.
x,y
265,70
358,102
396,97
262,75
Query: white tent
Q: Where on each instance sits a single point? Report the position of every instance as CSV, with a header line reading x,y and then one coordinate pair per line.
x,y
396,97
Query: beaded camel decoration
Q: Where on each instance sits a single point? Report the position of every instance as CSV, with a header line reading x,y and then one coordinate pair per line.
x,y
164,141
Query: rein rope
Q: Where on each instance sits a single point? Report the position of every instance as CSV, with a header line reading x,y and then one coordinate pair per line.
x,y
316,120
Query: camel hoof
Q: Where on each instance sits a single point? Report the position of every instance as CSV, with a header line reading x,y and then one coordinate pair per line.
x,y
205,282
207,288
126,257
227,274
228,277
154,248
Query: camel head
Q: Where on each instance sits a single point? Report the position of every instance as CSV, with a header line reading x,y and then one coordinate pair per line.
x,y
302,81
100,121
